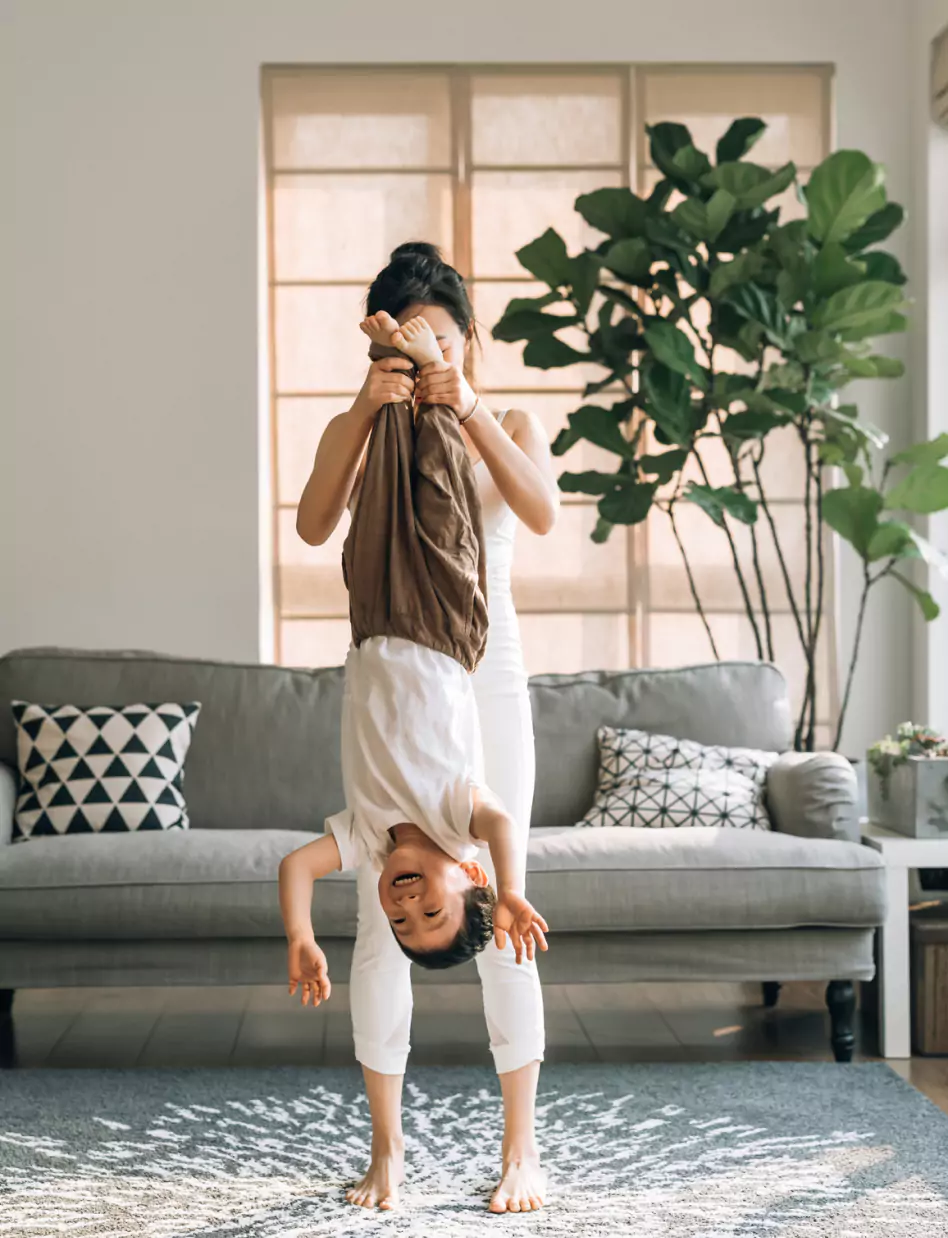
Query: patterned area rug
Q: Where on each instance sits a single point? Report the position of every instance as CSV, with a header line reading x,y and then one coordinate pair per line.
x,y
785,1150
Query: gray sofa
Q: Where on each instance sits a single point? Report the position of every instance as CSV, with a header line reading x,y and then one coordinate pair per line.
x,y
200,906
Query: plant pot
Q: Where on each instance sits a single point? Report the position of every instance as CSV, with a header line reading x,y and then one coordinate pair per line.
x,y
912,799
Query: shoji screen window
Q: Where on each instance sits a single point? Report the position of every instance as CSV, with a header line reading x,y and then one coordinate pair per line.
x,y
480,161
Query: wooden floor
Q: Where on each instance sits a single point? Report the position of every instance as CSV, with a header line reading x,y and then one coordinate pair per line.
x,y
262,1026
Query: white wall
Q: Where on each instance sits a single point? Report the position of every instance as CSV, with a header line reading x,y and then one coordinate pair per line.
x,y
930,340
135,402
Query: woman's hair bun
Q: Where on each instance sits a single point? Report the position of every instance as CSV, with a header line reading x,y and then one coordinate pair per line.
x,y
417,249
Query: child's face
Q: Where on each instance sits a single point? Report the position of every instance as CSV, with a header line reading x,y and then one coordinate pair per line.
x,y
421,890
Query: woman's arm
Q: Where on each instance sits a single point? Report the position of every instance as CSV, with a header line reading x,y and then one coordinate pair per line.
x,y
341,449
519,462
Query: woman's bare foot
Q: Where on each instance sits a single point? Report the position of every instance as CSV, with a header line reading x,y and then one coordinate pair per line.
x,y
417,339
522,1186
379,1187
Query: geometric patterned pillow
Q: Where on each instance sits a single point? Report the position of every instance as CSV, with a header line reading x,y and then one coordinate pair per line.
x,y
659,781
101,769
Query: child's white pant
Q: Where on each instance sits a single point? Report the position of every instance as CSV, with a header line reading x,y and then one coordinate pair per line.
x,y
380,982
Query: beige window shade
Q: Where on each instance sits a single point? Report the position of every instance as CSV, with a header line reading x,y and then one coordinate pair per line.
x,y
480,162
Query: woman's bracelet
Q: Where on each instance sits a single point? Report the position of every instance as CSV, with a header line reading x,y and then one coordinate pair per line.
x,y
462,420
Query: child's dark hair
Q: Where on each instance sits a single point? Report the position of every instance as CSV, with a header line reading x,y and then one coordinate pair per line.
x,y
418,275
476,932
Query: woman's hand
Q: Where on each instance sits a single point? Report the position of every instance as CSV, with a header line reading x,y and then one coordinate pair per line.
x,y
514,915
307,967
439,382
388,381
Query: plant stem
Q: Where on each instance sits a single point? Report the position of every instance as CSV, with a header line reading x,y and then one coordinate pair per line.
x,y
784,570
755,554
818,616
742,583
692,584
806,706
868,582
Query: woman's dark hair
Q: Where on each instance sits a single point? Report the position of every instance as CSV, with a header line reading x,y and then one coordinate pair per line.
x,y
418,275
476,932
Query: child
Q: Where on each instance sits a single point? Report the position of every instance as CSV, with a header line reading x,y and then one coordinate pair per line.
x,y
416,810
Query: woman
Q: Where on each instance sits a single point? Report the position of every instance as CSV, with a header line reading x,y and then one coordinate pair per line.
x,y
516,482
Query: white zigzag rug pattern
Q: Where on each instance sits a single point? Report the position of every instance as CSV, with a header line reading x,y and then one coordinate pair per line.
x,y
724,1151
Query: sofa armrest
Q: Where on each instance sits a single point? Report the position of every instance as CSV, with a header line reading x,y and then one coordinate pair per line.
x,y
7,802
813,795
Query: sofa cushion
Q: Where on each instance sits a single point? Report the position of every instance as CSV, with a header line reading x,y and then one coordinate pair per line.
x,y
265,754
658,781
102,769
737,704
187,884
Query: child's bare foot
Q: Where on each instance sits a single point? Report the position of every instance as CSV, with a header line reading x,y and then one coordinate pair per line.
x,y
417,339
522,1185
380,328
379,1187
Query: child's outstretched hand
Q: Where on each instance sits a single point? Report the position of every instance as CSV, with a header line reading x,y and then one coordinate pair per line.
x,y
514,915
307,967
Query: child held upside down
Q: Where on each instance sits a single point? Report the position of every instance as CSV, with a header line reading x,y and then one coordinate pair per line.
x,y
418,819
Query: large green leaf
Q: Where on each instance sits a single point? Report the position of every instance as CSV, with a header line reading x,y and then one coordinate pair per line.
x,y
924,490
674,349
617,212
883,266
601,426
929,607
584,275
817,347
932,452
547,259
885,324
705,220
530,324
843,192
833,269
746,228
720,500
750,425
860,307
668,396
663,466
749,184
629,504
746,266
876,228
874,366
761,306
860,433
854,514
631,259
619,296
891,540
674,154
739,138
591,482
546,352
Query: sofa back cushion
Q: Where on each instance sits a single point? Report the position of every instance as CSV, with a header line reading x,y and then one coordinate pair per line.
x,y
265,752
736,704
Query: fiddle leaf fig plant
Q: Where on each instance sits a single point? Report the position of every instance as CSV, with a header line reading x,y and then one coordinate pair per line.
x,y
712,325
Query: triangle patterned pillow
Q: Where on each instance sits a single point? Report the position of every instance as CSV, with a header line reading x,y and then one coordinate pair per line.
x,y
657,781
102,768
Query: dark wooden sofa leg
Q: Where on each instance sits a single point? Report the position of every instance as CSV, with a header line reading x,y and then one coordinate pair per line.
x,y
841,1002
771,991
7,1031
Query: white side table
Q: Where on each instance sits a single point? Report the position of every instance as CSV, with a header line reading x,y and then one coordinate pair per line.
x,y
900,853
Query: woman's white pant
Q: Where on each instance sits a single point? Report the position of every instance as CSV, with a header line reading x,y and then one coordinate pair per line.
x,y
380,980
